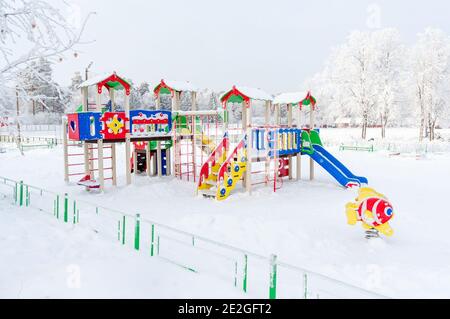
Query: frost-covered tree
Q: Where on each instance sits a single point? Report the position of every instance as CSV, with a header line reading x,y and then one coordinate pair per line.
x,y
430,65
36,82
388,62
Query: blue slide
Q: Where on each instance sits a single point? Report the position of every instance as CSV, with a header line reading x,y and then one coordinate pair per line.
x,y
333,166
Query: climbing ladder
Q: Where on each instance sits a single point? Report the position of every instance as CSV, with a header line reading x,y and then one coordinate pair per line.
x,y
89,180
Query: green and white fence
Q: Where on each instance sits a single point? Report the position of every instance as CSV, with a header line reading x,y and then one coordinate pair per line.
x,y
261,276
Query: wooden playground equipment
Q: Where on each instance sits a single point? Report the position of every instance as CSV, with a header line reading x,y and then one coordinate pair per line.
x,y
262,154
201,146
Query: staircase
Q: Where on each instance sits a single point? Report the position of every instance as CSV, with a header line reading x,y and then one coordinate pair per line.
x,y
221,173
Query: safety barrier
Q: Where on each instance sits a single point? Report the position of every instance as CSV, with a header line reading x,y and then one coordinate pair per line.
x,y
252,273
31,140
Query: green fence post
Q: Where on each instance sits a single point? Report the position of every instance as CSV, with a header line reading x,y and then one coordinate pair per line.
x,y
123,230
136,232
152,243
66,208
273,277
21,194
244,281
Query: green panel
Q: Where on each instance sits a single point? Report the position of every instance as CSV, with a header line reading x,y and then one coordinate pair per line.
x,y
235,99
79,109
306,143
315,138
164,91
115,85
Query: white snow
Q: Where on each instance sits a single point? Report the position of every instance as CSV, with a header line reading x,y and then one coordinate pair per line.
x,y
43,258
184,86
290,98
303,223
96,79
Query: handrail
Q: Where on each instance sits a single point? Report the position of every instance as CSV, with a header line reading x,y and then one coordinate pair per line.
x,y
224,166
205,169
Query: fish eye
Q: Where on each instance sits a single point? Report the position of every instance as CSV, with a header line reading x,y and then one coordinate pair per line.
x,y
388,211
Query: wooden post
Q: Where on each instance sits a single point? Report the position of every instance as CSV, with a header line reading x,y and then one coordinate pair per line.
x,y
113,164
147,158
86,159
169,163
98,104
244,131
311,126
289,118
127,140
157,101
277,114
112,97
101,176
248,130
159,158
84,98
194,100
135,161
66,150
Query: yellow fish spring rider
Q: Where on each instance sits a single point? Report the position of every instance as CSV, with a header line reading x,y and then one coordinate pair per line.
x,y
373,210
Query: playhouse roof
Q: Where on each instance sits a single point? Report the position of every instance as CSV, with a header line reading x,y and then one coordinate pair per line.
x,y
246,93
173,85
301,98
108,80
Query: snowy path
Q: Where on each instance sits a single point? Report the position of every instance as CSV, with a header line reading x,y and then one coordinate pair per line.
x,y
304,222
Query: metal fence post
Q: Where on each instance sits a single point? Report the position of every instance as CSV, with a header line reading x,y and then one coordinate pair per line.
x,y
152,243
123,230
21,194
305,286
66,207
273,277
244,280
136,232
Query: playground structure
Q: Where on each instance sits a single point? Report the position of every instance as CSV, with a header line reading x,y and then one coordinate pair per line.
x,y
201,146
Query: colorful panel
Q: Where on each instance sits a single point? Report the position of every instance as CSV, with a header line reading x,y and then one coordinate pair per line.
x,y
114,125
150,123
89,125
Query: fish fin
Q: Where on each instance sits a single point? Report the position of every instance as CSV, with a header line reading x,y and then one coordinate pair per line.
x,y
350,211
366,192
385,229
365,226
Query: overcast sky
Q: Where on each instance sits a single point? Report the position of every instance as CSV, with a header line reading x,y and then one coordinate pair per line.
x,y
274,45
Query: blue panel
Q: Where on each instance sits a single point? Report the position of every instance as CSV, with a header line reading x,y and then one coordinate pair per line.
x,y
90,125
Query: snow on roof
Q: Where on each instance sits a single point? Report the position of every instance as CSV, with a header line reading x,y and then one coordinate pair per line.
x,y
97,79
185,86
253,93
94,80
290,98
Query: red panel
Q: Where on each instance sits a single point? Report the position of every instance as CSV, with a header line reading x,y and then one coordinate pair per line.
x,y
73,127
114,125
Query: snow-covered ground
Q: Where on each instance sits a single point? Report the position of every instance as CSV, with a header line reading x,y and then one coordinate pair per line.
x,y
42,258
303,223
